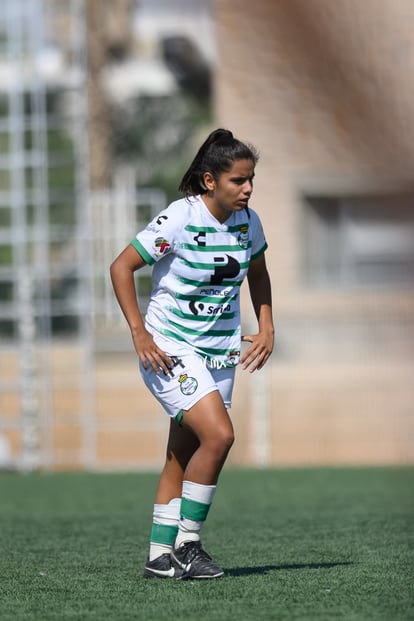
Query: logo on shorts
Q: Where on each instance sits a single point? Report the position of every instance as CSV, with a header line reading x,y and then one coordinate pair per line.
x,y
161,246
188,385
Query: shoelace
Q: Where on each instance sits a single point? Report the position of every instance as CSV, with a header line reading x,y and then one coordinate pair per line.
x,y
194,550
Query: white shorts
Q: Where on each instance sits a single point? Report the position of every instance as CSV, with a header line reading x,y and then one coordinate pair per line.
x,y
189,381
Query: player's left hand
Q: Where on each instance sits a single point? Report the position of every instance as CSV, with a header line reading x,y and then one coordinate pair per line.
x,y
258,353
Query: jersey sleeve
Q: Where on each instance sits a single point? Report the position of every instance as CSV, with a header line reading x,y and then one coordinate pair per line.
x,y
159,236
259,244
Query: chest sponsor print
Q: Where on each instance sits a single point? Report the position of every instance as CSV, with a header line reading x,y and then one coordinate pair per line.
x,y
199,308
225,267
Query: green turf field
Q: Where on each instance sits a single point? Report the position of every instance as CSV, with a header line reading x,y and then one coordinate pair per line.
x,y
295,544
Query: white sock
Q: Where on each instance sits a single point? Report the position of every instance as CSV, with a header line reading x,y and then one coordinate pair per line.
x,y
196,500
164,528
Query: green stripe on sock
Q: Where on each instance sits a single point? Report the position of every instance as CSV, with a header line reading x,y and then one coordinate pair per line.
x,y
193,510
162,533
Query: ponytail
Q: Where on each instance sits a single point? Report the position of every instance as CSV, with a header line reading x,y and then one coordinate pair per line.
x,y
216,155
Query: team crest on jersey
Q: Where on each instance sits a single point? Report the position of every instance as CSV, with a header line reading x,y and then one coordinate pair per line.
x,y
161,246
188,385
243,238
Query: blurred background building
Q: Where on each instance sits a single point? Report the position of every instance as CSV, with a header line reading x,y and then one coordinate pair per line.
x,y
102,104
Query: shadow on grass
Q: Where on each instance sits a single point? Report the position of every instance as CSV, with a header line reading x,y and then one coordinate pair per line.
x,y
264,569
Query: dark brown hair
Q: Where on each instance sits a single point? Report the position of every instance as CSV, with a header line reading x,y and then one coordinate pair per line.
x,y
216,155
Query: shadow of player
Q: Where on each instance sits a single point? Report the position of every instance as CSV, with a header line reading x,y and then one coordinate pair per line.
x,y
264,569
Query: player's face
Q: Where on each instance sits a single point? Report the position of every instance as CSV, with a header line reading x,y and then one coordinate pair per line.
x,y
231,191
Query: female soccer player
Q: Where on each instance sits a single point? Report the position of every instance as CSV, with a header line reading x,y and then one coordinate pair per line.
x,y
202,246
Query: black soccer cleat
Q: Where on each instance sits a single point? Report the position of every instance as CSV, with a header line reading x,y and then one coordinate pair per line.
x,y
195,562
162,567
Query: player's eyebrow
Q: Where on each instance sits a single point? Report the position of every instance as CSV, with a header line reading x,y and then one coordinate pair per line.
x,y
243,178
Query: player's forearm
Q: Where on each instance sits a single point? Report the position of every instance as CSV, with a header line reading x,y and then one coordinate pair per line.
x,y
261,296
124,287
265,320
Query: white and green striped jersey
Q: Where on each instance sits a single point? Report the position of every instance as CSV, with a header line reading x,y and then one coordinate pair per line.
x,y
199,266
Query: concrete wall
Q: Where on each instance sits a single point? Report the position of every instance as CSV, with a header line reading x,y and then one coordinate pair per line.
x,y
324,89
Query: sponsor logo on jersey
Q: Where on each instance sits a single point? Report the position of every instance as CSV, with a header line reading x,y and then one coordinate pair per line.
x,y
213,309
243,238
196,307
161,246
226,267
211,291
188,385
218,310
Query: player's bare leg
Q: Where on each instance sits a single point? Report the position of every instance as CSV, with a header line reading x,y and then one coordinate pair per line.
x,y
182,443
211,424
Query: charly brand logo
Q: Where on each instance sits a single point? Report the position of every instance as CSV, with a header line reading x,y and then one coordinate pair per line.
x,y
244,236
161,246
188,385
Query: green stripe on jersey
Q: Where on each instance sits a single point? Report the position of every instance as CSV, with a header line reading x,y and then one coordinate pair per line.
x,y
205,351
200,229
185,330
202,283
211,248
211,229
206,298
212,352
178,313
211,266
193,510
236,228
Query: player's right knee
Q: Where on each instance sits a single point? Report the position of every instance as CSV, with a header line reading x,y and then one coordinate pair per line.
x,y
221,442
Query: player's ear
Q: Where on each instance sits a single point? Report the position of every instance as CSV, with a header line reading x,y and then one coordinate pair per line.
x,y
209,181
